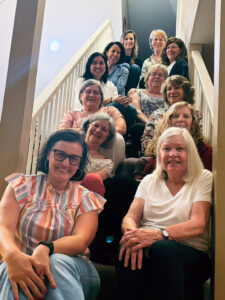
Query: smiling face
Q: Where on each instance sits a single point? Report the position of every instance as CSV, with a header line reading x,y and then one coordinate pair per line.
x,y
98,132
175,93
182,118
158,43
156,79
172,51
91,98
129,41
174,156
98,67
113,54
61,171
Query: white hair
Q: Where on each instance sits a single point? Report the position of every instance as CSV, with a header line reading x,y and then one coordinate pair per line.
x,y
194,165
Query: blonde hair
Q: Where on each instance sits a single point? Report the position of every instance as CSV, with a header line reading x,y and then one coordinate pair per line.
x,y
165,123
155,32
154,68
194,164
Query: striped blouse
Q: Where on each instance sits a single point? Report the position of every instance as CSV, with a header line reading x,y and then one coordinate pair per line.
x,y
47,214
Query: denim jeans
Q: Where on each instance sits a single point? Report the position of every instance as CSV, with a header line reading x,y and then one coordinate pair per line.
x,y
76,279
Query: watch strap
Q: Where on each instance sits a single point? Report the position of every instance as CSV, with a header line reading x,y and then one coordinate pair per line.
x,y
50,245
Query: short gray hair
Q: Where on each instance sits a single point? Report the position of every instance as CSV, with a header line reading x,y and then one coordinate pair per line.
x,y
194,166
97,117
90,82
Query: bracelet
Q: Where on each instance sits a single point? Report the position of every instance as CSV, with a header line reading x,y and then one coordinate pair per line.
x,y
50,245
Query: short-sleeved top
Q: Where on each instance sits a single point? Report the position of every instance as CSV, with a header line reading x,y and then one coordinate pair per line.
x,y
73,119
46,214
96,164
148,103
108,89
148,63
119,77
162,209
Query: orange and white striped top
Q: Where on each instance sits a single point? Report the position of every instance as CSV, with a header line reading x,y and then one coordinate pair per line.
x,y
46,214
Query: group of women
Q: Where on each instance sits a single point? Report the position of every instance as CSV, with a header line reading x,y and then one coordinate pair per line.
x,y
48,220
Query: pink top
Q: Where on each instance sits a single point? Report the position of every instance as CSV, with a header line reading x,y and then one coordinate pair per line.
x,y
73,119
46,214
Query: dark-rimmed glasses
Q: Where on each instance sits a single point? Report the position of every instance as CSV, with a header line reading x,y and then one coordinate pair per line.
x,y
61,156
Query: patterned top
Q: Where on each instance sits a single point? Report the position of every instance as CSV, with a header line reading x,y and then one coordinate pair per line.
x,y
148,103
148,63
119,77
47,214
96,164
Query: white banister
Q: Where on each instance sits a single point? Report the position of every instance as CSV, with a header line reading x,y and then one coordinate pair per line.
x,y
204,92
59,96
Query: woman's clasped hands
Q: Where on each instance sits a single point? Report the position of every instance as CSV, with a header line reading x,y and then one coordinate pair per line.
x,y
29,273
132,244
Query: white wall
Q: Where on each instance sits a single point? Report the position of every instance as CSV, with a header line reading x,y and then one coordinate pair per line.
x,y
7,13
72,22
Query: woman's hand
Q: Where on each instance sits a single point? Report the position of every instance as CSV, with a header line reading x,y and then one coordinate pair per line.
x,y
135,257
41,254
23,271
124,100
140,238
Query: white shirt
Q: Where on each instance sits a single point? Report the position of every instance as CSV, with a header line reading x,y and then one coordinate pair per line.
x,y
162,209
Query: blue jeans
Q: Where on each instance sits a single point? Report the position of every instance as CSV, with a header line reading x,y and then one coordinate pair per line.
x,y
76,279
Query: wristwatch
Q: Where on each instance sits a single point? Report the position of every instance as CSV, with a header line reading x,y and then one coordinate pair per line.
x,y
50,245
165,233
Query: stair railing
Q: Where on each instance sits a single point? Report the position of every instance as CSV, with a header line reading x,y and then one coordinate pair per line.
x,y
59,96
204,92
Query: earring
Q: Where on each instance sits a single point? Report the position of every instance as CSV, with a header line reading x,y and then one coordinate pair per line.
x,y
46,165
79,171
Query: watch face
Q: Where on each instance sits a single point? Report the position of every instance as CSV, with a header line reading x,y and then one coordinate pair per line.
x,y
165,233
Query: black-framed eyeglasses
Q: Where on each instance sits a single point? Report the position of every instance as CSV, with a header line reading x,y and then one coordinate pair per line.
x,y
61,156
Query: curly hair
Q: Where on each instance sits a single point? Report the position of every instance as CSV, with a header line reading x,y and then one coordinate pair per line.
x,y
180,44
165,123
134,52
122,51
178,80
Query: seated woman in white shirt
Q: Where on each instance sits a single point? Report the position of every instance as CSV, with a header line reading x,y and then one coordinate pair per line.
x,y
166,229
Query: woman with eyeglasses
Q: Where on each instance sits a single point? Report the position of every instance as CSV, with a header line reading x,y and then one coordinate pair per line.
x,y
174,55
91,97
97,68
146,102
47,221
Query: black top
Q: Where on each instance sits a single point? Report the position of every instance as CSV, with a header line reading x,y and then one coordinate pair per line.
x,y
137,61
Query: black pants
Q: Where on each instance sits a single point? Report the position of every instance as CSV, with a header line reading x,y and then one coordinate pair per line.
x,y
171,269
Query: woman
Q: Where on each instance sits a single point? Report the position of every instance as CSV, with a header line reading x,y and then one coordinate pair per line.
x,y
118,69
91,97
166,228
129,41
176,88
47,222
97,68
174,55
146,101
157,41
129,173
98,131
182,115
